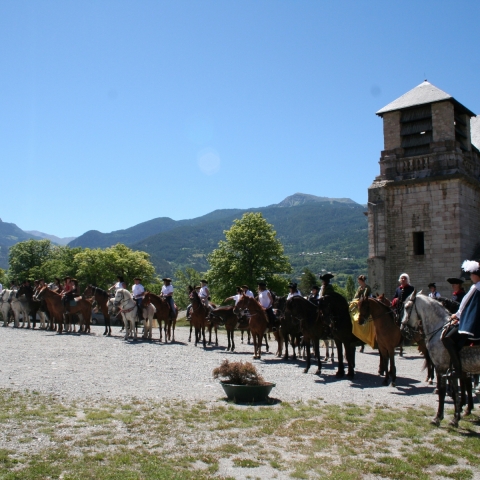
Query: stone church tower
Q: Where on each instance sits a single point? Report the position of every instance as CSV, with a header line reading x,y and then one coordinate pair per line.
x,y
424,207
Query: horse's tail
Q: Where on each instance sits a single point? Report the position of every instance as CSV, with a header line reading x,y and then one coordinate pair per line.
x,y
422,348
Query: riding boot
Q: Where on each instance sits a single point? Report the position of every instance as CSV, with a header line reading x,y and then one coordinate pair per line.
x,y
456,364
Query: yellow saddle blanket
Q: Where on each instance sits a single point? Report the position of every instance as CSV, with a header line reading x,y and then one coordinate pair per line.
x,y
365,332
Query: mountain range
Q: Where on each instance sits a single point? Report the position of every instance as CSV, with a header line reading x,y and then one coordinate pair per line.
x,y
317,232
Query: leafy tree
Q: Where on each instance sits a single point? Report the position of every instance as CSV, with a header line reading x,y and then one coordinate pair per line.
x,y
350,288
307,282
101,267
340,290
25,257
3,278
60,263
249,252
184,278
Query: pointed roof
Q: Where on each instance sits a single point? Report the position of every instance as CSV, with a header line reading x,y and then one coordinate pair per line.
x,y
475,131
422,94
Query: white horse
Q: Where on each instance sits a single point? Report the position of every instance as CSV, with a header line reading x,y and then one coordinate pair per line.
x,y
20,308
5,305
426,316
128,308
148,313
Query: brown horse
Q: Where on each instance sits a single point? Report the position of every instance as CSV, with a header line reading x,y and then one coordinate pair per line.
x,y
56,309
258,322
387,332
162,314
289,328
101,297
199,316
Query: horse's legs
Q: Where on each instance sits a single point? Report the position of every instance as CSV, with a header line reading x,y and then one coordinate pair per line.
x,y
216,336
203,336
248,336
468,387
341,368
232,333
241,335
316,347
285,357
350,354
457,401
307,367
442,390
267,347
393,368
210,327
190,336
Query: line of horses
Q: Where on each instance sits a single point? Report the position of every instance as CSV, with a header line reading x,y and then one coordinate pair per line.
x,y
301,322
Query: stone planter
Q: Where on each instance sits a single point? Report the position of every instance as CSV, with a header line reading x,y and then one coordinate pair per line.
x,y
247,393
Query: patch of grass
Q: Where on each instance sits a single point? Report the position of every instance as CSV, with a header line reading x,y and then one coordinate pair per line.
x,y
460,474
246,463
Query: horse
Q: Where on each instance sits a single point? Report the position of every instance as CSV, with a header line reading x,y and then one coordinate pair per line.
x,y
30,307
56,308
388,334
427,317
199,316
162,314
148,312
258,321
101,298
5,305
334,312
312,329
290,330
128,309
225,316
20,308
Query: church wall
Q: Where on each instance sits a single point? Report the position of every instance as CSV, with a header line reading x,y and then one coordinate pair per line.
x,y
442,121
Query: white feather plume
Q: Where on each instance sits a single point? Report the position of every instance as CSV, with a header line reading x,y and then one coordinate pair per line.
x,y
470,266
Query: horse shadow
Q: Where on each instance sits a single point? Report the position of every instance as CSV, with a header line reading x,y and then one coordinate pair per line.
x,y
270,401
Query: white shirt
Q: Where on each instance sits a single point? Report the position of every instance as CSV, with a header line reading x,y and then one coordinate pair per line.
x,y
236,298
434,295
294,294
263,299
137,290
248,293
118,286
204,292
167,290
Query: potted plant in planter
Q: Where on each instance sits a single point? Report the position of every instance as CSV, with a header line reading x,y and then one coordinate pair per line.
x,y
241,382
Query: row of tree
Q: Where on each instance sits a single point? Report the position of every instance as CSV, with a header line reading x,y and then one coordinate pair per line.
x,y
250,252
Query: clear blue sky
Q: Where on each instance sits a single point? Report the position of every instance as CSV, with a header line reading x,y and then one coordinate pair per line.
x,y
115,112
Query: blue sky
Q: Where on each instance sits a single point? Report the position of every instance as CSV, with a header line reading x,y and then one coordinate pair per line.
x,y
115,112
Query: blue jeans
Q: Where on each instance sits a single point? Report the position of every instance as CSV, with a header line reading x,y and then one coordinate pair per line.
x,y
172,304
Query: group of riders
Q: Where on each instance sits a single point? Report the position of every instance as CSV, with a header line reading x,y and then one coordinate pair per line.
x,y
464,325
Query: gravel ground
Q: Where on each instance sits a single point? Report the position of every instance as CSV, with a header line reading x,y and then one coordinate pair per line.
x,y
93,366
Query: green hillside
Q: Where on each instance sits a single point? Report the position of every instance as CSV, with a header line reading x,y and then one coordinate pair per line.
x,y
10,234
337,230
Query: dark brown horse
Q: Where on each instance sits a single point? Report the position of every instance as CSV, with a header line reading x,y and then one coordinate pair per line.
x,y
289,328
258,321
162,314
56,309
101,298
199,316
312,328
387,333
333,311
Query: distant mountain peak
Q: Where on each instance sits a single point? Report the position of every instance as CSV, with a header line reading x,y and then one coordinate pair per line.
x,y
303,198
52,238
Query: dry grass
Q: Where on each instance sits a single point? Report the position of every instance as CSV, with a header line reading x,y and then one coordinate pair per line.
x,y
45,438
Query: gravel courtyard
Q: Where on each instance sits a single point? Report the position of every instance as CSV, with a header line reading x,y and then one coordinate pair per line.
x,y
93,366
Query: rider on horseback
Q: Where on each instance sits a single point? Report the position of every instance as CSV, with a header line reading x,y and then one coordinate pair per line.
x,y
265,299
466,322
402,292
68,294
294,291
458,292
363,289
138,293
327,288
204,292
167,293
314,295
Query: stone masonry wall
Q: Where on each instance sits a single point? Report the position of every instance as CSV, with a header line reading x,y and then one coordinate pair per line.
x,y
391,130
442,121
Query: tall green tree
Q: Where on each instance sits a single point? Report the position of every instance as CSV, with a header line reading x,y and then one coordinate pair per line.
x,y
307,282
350,288
184,278
25,257
101,267
249,252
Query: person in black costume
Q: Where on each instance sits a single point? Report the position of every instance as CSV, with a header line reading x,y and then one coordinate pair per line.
x,y
466,322
457,290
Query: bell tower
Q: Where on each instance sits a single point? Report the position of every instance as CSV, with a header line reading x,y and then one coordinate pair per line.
x,y
424,207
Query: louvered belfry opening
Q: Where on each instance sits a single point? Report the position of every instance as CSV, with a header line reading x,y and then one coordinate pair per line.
x,y
461,130
416,130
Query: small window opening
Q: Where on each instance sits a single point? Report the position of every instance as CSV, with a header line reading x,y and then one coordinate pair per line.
x,y
418,243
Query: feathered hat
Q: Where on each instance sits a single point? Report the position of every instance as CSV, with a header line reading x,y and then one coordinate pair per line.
x,y
471,266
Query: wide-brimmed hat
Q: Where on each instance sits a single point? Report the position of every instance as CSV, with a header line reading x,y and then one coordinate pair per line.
x,y
245,287
261,283
455,280
203,281
432,285
315,287
292,285
67,278
326,277
166,279
361,277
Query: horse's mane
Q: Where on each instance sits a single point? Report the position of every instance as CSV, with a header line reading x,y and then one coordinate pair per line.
x,y
104,293
224,308
437,307
305,301
451,305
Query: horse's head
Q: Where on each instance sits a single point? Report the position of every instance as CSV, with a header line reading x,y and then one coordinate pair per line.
x,y
121,295
241,305
410,316
40,294
89,291
363,309
147,298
